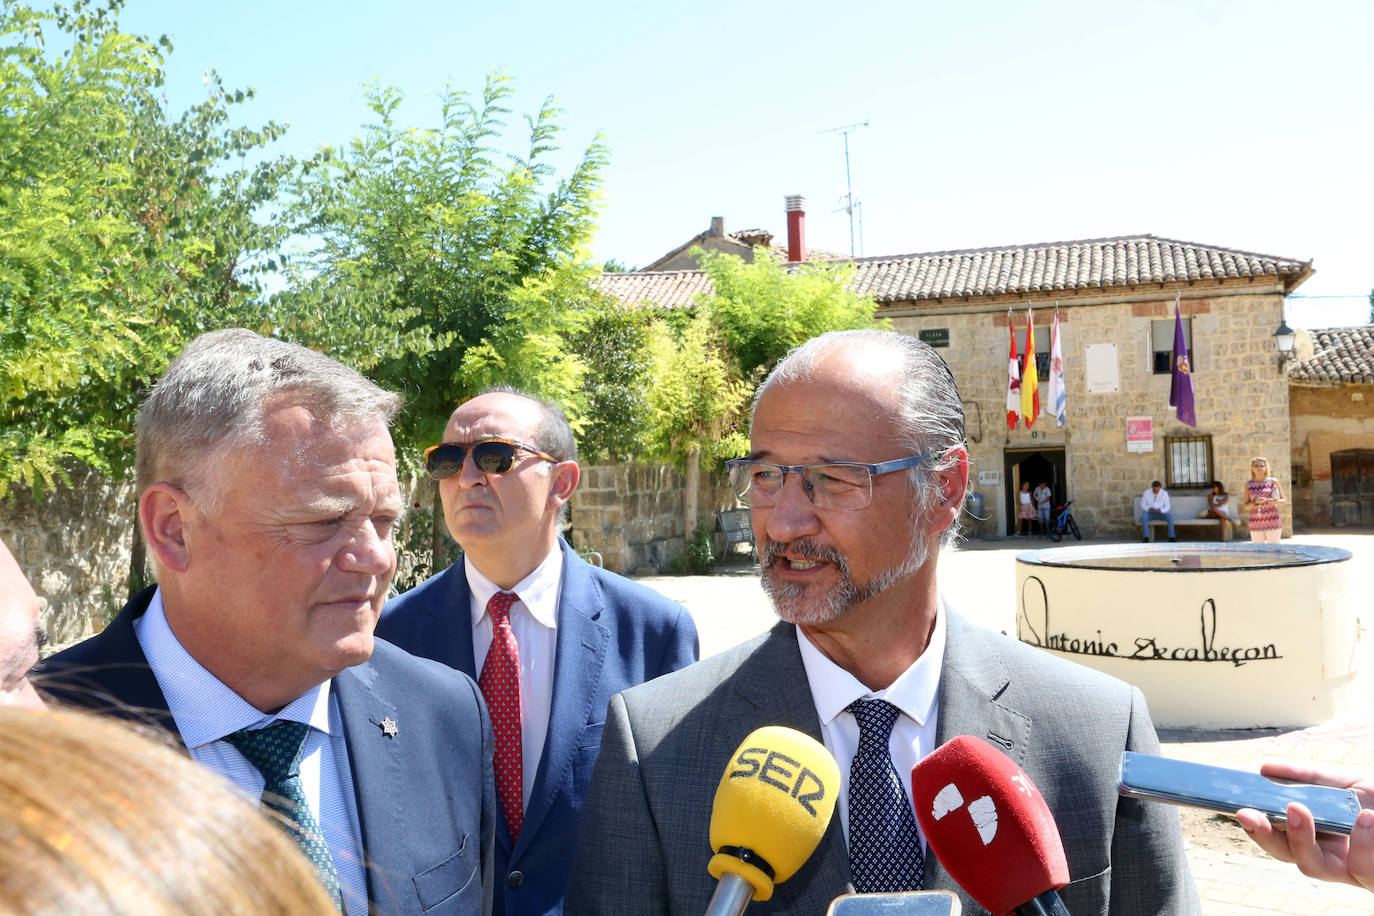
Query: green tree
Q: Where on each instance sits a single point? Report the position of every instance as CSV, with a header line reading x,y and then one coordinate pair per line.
x,y
708,359
697,396
613,343
767,307
125,233
436,264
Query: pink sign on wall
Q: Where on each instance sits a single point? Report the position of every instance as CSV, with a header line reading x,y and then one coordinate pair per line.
x,y
1140,434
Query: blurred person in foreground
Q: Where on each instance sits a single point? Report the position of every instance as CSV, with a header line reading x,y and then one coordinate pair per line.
x,y
1345,860
97,820
856,476
552,636
267,494
21,636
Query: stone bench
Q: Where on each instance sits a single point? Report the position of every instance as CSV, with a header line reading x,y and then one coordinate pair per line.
x,y
1185,510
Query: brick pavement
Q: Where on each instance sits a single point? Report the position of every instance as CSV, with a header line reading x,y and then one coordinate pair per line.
x,y
979,580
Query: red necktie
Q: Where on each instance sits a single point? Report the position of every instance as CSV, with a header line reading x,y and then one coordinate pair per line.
x,y
500,683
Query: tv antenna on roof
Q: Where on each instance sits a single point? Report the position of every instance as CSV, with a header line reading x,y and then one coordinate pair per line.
x,y
849,203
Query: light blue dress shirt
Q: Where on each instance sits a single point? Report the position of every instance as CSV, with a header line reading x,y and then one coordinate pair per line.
x,y
205,710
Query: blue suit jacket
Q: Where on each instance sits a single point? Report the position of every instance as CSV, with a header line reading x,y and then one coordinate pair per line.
x,y
426,802
612,634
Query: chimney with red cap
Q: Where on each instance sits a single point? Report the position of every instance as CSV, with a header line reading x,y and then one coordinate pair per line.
x,y
796,220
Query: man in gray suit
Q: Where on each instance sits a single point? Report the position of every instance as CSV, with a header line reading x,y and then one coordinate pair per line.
x,y
868,660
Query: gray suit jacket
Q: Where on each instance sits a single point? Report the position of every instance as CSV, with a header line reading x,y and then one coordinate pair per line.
x,y
644,843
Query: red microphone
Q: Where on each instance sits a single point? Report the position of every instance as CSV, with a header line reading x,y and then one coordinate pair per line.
x,y
990,828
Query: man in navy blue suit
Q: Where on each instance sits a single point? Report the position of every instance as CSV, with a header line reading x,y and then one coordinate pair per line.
x,y
551,637
267,496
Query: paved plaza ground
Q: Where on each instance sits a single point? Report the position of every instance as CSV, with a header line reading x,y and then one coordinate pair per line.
x,y
978,579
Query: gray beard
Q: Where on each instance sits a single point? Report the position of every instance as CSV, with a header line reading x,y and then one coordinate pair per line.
x,y
790,601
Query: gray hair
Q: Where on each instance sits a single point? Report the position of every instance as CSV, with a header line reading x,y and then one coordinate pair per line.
x,y
213,396
553,435
930,413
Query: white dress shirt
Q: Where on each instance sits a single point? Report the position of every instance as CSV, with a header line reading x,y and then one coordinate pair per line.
x,y
534,621
206,710
1156,501
913,693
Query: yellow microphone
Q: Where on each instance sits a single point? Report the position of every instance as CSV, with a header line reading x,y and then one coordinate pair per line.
x,y
772,807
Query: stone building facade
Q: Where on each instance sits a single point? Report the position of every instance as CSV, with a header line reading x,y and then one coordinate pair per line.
x,y
1240,398
1331,402
1116,300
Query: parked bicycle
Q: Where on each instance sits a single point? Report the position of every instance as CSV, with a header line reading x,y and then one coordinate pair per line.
x,y
1063,522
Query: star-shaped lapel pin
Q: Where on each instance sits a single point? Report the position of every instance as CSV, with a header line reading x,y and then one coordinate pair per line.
x,y
388,726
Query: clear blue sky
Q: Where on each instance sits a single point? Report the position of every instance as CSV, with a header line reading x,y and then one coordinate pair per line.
x,y
1243,124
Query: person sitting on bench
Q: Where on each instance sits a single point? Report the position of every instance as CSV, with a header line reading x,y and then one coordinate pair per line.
x,y
1154,505
1219,508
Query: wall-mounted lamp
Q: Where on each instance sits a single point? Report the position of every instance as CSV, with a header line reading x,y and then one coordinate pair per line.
x,y
1283,339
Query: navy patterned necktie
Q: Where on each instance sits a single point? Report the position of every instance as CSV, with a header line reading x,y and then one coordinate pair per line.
x,y
276,752
884,848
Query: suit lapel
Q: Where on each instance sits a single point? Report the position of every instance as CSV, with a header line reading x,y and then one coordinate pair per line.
x,y
449,631
579,656
773,690
972,675
113,674
374,758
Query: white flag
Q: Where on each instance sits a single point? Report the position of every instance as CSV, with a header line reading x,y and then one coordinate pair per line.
x,y
1013,379
1059,402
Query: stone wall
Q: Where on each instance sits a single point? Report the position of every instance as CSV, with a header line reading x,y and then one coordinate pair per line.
x,y
1325,420
74,547
1241,399
633,514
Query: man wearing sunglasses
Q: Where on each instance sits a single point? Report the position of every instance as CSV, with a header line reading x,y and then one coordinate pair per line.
x,y
550,637
855,479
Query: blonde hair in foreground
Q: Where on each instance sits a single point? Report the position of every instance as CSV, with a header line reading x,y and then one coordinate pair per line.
x,y
96,819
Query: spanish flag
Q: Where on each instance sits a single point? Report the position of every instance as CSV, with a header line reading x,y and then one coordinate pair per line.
x,y
1030,380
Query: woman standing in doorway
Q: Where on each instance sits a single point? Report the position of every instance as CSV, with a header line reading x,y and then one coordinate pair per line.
x,y
1026,513
1262,497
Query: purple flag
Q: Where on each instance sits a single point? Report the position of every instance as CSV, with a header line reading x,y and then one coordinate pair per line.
x,y
1181,390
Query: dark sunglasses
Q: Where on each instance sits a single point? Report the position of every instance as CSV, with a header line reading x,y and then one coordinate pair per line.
x,y
490,456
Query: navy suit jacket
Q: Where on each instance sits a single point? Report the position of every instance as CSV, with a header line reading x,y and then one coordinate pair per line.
x,y
612,634
426,798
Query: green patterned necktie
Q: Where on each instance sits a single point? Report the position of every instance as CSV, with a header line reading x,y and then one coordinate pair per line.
x,y
276,752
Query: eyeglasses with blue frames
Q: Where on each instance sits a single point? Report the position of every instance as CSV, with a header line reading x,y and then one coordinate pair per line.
x,y
831,485
490,456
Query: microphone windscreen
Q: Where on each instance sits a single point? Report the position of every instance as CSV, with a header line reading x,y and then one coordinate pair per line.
x,y
772,807
988,824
